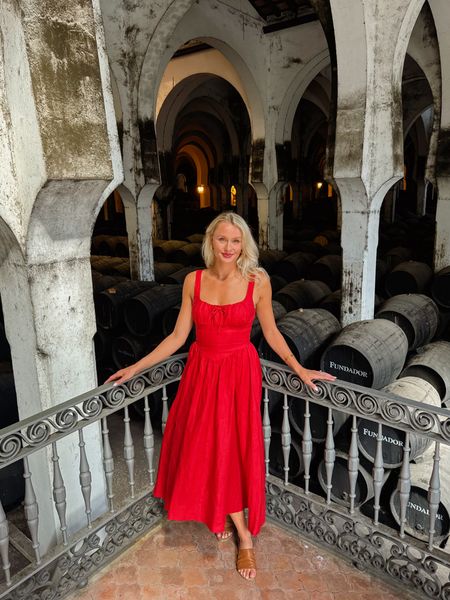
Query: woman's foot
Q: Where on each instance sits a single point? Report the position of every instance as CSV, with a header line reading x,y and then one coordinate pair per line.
x,y
246,562
228,531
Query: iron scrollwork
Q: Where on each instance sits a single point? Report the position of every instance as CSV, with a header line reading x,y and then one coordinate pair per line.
x,y
72,569
27,436
360,541
389,409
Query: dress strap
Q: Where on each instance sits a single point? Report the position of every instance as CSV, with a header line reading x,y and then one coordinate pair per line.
x,y
198,280
250,288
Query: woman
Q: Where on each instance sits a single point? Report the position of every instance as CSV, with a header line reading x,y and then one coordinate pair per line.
x,y
212,457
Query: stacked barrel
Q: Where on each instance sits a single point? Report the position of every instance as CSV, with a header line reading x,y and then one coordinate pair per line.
x,y
12,486
404,351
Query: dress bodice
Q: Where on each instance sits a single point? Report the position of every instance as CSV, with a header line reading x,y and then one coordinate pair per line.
x,y
226,327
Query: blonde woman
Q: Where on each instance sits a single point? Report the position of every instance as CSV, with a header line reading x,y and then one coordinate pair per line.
x,y
212,458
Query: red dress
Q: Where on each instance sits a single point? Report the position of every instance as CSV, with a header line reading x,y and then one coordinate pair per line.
x,y
212,456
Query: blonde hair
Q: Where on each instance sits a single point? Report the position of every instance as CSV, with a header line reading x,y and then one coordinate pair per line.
x,y
247,262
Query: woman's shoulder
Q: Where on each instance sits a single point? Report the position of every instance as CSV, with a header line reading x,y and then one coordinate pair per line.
x,y
260,278
189,280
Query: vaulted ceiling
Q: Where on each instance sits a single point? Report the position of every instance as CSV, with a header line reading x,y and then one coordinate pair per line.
x,y
280,14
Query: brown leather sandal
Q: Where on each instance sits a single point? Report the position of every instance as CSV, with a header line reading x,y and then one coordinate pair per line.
x,y
246,560
228,530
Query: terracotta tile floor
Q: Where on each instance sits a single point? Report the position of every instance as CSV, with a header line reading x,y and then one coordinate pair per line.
x,y
183,560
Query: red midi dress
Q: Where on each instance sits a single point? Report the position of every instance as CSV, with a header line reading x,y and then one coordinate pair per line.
x,y
212,455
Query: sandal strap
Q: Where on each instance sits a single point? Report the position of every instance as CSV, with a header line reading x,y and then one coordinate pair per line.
x,y
246,559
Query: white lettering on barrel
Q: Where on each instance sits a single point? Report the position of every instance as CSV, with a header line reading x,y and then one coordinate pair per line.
x,y
423,510
346,369
384,438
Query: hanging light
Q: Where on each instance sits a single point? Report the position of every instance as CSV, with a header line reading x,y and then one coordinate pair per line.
x,y
319,184
200,188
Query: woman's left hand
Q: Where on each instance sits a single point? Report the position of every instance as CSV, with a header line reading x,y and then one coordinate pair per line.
x,y
308,376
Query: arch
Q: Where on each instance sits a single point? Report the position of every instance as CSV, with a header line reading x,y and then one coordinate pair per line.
x,y
184,92
441,15
295,92
151,75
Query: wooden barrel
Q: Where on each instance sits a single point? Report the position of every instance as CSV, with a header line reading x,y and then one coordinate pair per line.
x,y
143,313
276,459
102,345
269,258
340,490
432,364
109,303
189,254
164,250
317,421
277,282
324,238
443,330
306,331
369,353
312,248
101,245
332,303
396,256
440,287
127,349
417,511
163,270
409,277
119,245
256,333
102,282
394,439
295,266
178,276
302,294
195,238
169,320
380,274
12,483
327,269
416,314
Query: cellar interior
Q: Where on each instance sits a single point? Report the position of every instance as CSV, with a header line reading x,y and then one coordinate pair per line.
x,y
327,129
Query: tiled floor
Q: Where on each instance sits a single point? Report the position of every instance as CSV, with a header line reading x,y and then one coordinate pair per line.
x,y
184,560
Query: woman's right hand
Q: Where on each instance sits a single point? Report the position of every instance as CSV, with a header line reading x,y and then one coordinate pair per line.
x,y
123,375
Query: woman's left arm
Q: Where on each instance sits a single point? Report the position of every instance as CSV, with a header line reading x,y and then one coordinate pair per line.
x,y
276,341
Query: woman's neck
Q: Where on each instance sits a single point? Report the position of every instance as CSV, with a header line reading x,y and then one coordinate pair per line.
x,y
223,272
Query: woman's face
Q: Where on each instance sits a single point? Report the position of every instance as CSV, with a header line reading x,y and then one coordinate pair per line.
x,y
227,243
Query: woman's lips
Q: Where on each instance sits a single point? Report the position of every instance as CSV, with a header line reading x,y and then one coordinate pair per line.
x,y
225,255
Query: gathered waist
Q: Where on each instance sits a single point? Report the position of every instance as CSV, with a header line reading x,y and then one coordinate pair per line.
x,y
218,347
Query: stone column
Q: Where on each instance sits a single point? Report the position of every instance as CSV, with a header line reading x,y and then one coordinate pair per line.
x,y
55,174
276,208
359,240
139,221
442,240
263,215
50,324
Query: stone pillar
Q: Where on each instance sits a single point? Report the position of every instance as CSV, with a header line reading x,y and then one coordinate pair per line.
x,y
422,188
139,221
359,240
263,215
276,208
55,175
50,324
442,240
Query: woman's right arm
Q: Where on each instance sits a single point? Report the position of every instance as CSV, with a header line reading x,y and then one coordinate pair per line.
x,y
170,344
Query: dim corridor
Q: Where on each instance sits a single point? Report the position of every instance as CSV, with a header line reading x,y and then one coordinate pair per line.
x,y
184,560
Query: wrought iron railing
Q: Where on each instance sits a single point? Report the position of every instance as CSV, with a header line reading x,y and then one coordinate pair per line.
x,y
342,524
